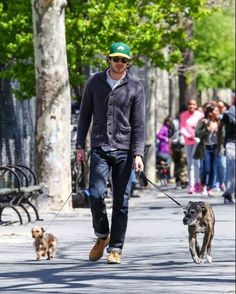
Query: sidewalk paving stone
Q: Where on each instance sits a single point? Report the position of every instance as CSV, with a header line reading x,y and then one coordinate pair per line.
x,y
155,256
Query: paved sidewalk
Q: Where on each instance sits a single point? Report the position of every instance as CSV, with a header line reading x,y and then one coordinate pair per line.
x,y
155,257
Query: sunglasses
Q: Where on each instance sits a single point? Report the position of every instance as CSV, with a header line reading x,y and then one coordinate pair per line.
x,y
122,59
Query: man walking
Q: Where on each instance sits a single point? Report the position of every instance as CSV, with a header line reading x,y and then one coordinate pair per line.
x,y
228,121
114,101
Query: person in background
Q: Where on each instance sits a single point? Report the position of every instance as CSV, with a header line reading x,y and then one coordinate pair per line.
x,y
188,122
223,107
206,131
221,158
178,153
228,121
164,141
134,182
114,102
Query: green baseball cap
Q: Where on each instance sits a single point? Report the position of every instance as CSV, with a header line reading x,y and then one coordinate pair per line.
x,y
120,49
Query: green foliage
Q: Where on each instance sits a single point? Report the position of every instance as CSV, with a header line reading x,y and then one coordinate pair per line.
x,y
150,28
215,52
16,45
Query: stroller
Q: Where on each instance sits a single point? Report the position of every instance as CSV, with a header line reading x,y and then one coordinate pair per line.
x,y
162,168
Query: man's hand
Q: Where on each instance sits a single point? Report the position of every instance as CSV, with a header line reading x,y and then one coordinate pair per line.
x,y
80,155
138,164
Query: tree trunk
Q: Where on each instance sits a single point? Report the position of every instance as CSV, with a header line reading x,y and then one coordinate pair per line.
x,y
187,84
150,164
53,100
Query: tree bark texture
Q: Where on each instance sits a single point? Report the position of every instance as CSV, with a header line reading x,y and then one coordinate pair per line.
x,y
187,83
53,100
150,164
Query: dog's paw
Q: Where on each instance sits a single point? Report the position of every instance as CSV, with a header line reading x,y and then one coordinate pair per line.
x,y
209,258
198,260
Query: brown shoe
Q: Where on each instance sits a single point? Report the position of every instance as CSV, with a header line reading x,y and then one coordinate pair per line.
x,y
97,251
114,257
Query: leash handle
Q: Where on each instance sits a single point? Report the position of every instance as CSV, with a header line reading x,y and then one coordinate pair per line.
x,y
143,176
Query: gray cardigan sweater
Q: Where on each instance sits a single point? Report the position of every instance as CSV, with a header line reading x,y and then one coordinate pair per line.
x,y
118,115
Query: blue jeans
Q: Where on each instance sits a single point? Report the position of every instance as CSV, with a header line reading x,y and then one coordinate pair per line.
x,y
230,168
210,160
221,169
120,163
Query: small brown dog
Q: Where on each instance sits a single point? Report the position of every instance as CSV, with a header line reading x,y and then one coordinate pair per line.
x,y
200,218
45,244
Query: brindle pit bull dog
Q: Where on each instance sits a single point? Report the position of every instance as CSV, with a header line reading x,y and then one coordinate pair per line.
x,y
200,218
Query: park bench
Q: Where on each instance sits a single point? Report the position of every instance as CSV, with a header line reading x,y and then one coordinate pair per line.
x,y
18,191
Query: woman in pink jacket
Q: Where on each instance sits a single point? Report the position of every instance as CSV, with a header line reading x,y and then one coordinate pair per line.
x,y
188,122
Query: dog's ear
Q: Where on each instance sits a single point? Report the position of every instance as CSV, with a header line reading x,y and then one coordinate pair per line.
x,y
186,208
189,204
43,231
203,207
204,210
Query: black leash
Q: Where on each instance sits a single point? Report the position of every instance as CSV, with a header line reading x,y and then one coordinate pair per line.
x,y
145,179
77,181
